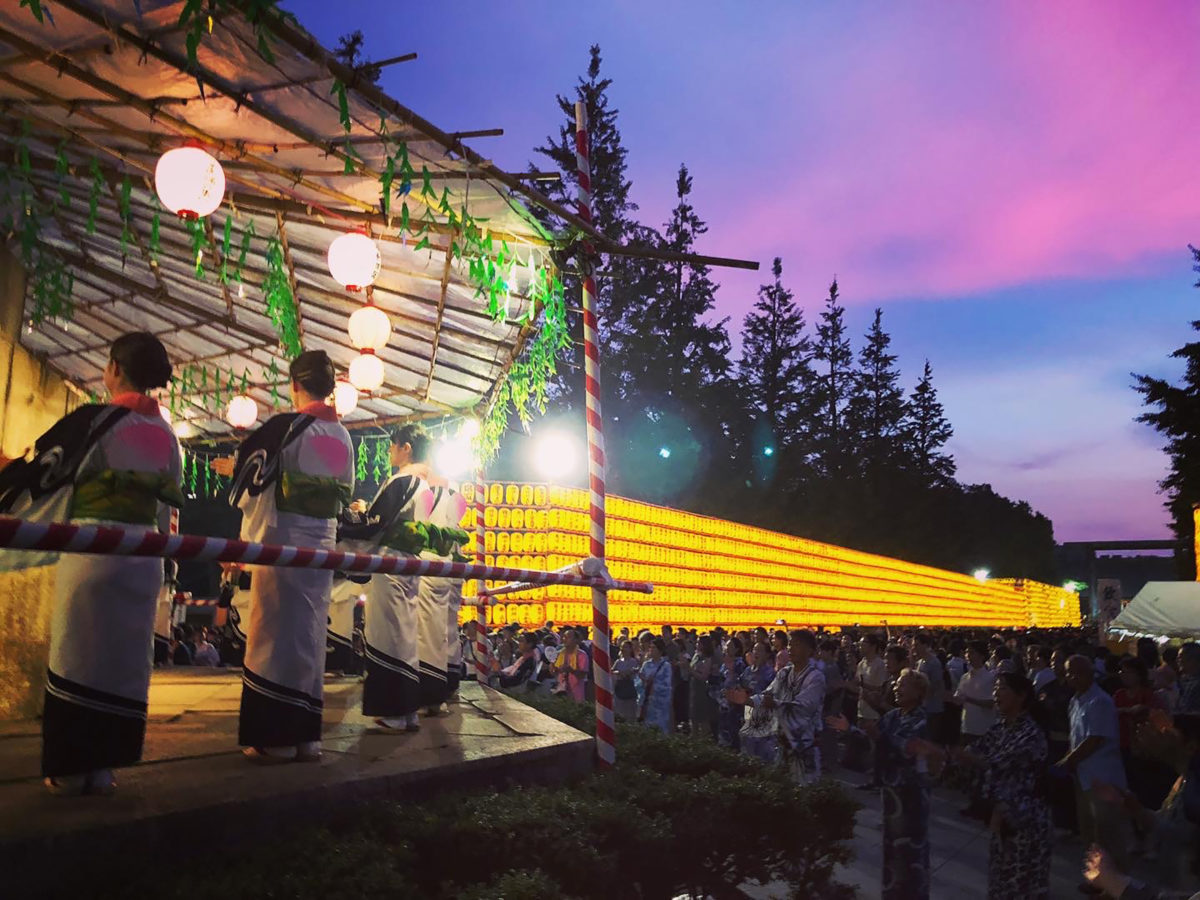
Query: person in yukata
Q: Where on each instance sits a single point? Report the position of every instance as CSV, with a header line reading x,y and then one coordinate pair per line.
x,y
115,463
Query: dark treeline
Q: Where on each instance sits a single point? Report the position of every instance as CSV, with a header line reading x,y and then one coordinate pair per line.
x,y
801,432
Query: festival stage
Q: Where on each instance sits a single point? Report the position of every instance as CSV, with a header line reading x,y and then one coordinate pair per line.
x,y
195,793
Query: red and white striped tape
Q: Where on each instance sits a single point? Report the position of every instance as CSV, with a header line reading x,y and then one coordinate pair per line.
x,y
482,660
106,540
601,660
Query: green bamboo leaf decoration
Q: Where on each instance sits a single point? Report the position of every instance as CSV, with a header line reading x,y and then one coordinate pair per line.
x,y
360,471
343,104
35,7
281,306
199,235
427,183
155,237
383,459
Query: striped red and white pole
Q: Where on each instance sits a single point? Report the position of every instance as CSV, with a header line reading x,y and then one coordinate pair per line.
x,y
480,647
107,540
606,750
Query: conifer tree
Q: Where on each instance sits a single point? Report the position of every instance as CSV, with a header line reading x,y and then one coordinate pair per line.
x,y
875,412
832,361
926,431
612,213
1174,412
774,372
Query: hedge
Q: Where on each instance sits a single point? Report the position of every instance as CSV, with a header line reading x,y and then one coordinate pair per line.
x,y
674,817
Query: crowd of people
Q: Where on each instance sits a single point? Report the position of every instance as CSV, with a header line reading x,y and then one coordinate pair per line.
x,y
1043,732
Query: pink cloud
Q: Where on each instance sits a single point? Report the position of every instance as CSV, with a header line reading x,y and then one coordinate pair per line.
x,y
965,153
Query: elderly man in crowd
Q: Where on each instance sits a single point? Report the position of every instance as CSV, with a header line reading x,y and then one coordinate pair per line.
x,y
1095,756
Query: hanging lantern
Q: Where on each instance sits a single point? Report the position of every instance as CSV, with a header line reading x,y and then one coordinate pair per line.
x,y
345,397
242,412
354,260
165,412
369,328
189,181
366,372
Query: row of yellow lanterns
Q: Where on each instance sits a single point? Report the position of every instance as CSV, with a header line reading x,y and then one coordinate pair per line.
x,y
190,182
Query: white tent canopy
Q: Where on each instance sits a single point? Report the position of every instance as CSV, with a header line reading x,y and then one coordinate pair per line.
x,y
1164,609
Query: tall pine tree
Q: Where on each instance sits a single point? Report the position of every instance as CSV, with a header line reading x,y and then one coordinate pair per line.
x,y
876,409
832,360
612,215
926,431
775,378
1174,412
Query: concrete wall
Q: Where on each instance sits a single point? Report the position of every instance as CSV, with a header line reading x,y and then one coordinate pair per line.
x,y
32,398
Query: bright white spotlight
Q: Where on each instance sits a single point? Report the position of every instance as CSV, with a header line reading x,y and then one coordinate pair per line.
x,y
556,456
981,574
453,459
469,429
664,452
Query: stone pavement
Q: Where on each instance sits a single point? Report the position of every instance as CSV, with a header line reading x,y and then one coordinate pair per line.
x,y
959,852
194,786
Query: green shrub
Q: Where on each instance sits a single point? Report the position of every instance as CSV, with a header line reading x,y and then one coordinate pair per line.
x,y
672,817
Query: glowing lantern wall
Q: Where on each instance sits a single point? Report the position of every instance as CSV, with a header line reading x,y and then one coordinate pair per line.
x,y
709,572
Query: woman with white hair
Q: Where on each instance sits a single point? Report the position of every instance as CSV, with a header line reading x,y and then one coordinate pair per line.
x,y
904,751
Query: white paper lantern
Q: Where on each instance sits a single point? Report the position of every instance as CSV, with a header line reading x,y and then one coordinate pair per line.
x,y
370,328
189,181
242,412
345,397
165,413
366,372
354,260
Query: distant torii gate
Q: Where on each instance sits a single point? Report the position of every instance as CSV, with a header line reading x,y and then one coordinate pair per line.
x,y
1092,547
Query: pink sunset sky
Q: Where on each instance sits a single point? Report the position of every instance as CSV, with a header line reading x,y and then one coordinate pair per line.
x,y
1014,183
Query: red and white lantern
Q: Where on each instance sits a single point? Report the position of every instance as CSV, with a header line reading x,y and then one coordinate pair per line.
x,y
370,328
366,372
345,397
189,181
354,260
242,412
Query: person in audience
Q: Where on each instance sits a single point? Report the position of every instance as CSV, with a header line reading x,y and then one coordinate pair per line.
x,y
976,694
1012,756
204,653
703,671
625,683
521,669
1175,826
931,667
797,698
1095,755
732,715
657,705
571,667
1189,679
905,753
757,736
